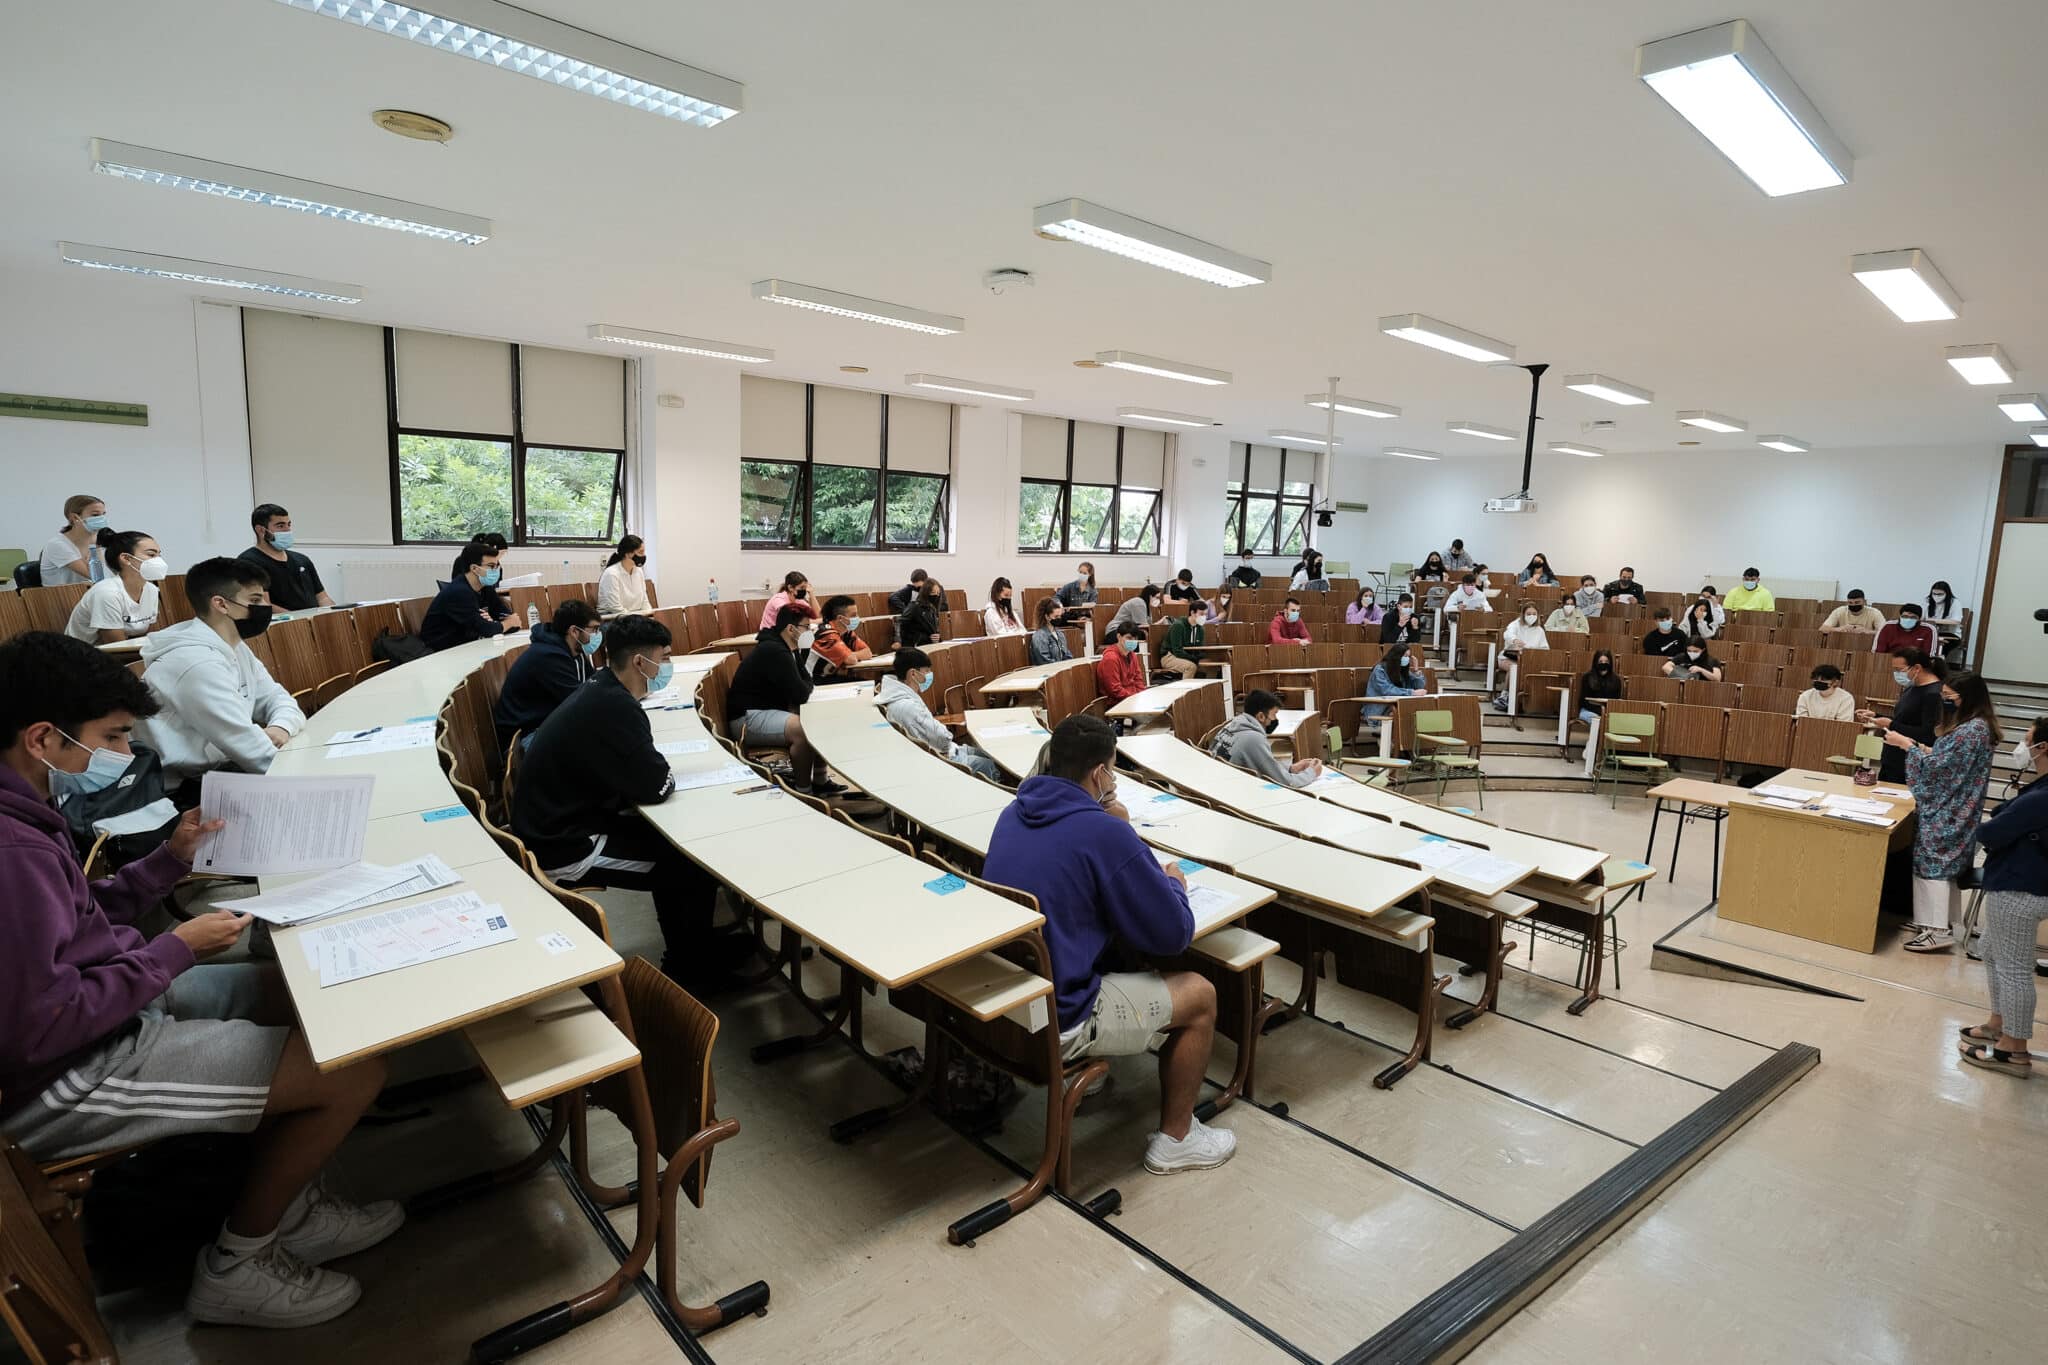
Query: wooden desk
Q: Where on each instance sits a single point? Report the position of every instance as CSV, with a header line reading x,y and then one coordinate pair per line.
x,y
1019,682
776,856
889,925
1810,875
125,648
1154,701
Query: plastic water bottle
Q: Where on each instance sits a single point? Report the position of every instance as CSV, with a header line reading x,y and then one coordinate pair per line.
x,y
532,615
712,595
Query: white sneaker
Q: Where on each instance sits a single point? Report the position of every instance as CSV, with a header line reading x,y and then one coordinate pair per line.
x,y
269,1288
1930,941
319,1228
1203,1148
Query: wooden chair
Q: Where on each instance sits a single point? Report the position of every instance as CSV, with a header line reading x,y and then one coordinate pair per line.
x,y
1644,687
46,1295
1758,738
50,608
413,613
1628,740
173,605
1783,700
1814,742
13,616
522,598
301,670
1721,694
1750,674
1439,752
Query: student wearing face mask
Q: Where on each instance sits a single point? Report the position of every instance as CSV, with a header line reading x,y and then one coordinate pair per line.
x,y
1712,600
1364,610
921,621
999,617
1431,567
1184,635
68,557
1537,570
1080,592
1699,622
1947,778
622,587
2015,843
124,604
1568,618
1598,685
294,582
768,691
218,705
1625,589
1524,632
1827,699
1470,596
557,661
1287,627
1589,597
1397,674
1455,559
1247,741
1246,574
796,592
1910,631
1664,638
1136,611
837,648
1693,663
1048,644
1119,672
1401,626
467,607
1182,588
1917,711
901,695
1752,595
1854,616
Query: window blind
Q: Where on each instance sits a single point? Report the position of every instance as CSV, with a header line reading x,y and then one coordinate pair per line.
x,y
317,438
1094,453
448,383
771,419
846,427
572,398
1144,458
1044,447
920,436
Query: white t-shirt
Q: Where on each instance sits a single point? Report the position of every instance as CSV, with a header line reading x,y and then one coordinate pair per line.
x,y
107,606
57,557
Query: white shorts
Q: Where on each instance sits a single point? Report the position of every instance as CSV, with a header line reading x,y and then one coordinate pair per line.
x,y
1129,1008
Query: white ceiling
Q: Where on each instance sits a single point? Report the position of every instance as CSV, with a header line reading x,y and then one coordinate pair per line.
x,y
1493,164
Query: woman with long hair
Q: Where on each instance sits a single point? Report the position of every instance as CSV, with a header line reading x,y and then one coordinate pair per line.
x,y
1432,567
1947,779
999,617
796,592
1364,610
1699,622
1397,674
1941,601
68,556
622,587
1048,643
1537,571
920,625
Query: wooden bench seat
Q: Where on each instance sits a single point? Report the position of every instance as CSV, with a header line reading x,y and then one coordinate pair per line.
x,y
988,987
549,1047
1234,948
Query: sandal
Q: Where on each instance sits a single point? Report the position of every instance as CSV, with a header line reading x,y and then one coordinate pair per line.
x,y
1996,1059
1977,1033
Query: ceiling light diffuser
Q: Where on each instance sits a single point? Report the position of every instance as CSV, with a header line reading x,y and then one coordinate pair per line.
x,y
1481,429
1791,445
2039,435
971,387
1165,369
1307,438
1444,337
1725,83
1171,419
283,191
854,306
207,272
1980,364
2023,407
1404,453
1574,448
1077,220
1610,390
1357,407
1712,421
1907,283
520,41
666,341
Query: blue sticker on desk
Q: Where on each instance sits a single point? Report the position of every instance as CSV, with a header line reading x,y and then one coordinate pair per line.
x,y
1432,839
1190,865
879,725
944,886
1640,867
417,720
1462,810
1164,796
445,813
1272,786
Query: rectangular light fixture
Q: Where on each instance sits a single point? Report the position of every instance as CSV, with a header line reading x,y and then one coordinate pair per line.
x,y
1444,337
668,341
1725,83
1791,445
1306,438
2039,435
971,387
1404,453
1077,220
153,167
1574,448
520,41
1610,390
1907,283
207,272
1357,407
1165,369
854,306
1171,419
1481,429
1980,364
2023,407
1712,421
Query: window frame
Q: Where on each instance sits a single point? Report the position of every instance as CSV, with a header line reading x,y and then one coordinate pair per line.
x,y
1112,519
1238,517
938,526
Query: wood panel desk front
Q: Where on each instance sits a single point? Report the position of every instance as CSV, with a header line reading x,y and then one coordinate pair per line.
x,y
1807,874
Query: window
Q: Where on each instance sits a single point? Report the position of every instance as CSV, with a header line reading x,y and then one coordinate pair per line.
x,y
825,468
449,486
1268,497
771,502
1090,489
912,513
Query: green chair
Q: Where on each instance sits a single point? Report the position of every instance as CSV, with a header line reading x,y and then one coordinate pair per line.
x,y
1869,749
1628,742
9,557
1377,770
1439,751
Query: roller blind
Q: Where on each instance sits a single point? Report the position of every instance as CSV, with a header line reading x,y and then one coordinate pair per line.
x,y
317,439
771,419
846,427
572,398
1265,470
454,383
1045,447
1144,458
920,436
1094,453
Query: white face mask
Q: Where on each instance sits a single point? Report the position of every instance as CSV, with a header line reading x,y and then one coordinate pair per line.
x,y
2023,753
155,569
1529,618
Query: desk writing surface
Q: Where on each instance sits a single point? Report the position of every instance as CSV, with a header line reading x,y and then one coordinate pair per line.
x,y
408,780
777,856
1695,791
1245,896
1031,678
843,691
1154,701
1567,862
888,925
1181,763
973,831
1341,880
1362,833
133,645
1205,835
935,794
705,811
1828,784
1016,752
848,735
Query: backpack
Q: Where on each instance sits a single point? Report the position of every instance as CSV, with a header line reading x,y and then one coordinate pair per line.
x,y
141,785
399,649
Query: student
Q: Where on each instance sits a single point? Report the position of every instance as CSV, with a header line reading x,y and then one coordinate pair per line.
x,y
1695,664
919,623
1308,572
1537,571
1624,589
1048,643
1947,778
836,649
1699,622
217,705
1524,632
1941,602
1101,889
900,600
1182,588
1598,685
1909,631
768,691
1568,618
1752,595
68,556
1714,608
1915,713
1246,740
1395,675
1287,627
1401,626
124,604
901,697
494,601
461,612
1218,613
1184,635
1432,567
622,587
1081,591
1589,598
999,617
1854,617
294,583
556,662
1664,639
796,592
587,768
1470,596
1119,673
1246,574
2015,843
1455,560
1363,611
1136,611
1826,699
112,1038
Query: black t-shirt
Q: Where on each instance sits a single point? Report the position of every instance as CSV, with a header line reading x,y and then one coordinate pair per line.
x,y
1244,575
1914,715
1667,643
1182,592
294,584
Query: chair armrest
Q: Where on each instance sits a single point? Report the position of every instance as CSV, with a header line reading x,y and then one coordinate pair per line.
x,y
1446,741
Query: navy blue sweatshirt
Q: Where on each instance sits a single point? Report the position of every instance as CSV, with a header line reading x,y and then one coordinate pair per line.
x,y
2016,843
538,681
457,617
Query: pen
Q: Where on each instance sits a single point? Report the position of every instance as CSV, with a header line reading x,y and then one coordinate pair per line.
x,y
758,787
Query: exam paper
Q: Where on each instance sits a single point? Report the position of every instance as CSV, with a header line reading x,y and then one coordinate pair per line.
x,y
141,820
1206,901
276,825
1855,804
716,777
348,888
382,739
676,747
655,701
1440,853
1787,793
1860,817
1782,803
348,950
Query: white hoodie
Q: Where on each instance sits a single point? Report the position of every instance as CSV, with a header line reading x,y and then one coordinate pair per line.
x,y
217,700
907,711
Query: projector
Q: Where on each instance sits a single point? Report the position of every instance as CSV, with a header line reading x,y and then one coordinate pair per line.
x,y
1520,502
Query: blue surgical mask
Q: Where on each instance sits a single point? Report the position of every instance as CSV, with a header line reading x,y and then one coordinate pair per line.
x,y
1749,583
1407,662
924,684
1663,625
1900,677
1909,621
489,577
663,676
98,523
595,640
1130,646
103,770
852,624
282,540
1293,615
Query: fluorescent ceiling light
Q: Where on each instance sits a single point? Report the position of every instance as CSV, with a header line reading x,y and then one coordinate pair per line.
x,y
1712,421
1403,452
1307,438
667,341
1444,337
2039,435
1165,369
1611,390
285,192
1791,445
968,386
520,41
1907,283
207,272
2023,407
1574,448
854,306
1980,364
1726,83
1357,407
1172,419
1480,429
1077,220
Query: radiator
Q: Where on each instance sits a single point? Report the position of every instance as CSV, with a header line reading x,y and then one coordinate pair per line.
x,y
368,580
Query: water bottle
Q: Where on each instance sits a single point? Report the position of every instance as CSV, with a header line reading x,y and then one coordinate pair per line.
x,y
532,615
712,596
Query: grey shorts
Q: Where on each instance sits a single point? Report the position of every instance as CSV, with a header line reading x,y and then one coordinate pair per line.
x,y
768,728
1129,1008
198,1059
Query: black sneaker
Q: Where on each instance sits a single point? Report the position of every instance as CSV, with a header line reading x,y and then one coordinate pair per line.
x,y
826,787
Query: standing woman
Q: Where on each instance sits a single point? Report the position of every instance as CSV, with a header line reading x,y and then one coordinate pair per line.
x,y
2015,902
68,557
122,605
1363,611
1947,779
999,617
622,587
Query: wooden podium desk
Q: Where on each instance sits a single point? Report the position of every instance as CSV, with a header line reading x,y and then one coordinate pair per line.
x,y
1806,873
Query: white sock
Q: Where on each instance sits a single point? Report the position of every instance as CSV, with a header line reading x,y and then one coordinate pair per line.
x,y
230,1247
295,1212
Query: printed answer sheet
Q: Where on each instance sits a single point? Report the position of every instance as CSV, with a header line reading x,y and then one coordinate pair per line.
x,y
276,825
349,888
349,950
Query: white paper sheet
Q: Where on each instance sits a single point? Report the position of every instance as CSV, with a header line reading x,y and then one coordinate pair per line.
x,y
668,696
141,820
1860,818
349,950
346,889
276,825
1784,804
1440,853
1488,868
1024,727
1207,901
677,747
1899,793
1787,793
382,739
1855,804
725,776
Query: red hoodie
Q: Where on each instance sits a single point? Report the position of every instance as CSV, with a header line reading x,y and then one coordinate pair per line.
x,y
1283,631
1119,672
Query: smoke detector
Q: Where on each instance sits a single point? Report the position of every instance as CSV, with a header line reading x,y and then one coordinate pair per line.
x,y
407,123
996,281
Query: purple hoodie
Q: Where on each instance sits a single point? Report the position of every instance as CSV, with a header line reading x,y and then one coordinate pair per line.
x,y
1096,881
74,970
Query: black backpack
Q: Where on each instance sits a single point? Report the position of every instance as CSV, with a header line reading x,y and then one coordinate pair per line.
x,y
140,786
399,649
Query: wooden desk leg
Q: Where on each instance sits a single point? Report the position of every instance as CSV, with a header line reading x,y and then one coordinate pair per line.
x,y
440,1196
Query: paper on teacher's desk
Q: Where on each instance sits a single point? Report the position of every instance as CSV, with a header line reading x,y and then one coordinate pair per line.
x,y
275,825
383,739
141,820
1787,793
1897,793
1783,804
1856,804
348,950
715,777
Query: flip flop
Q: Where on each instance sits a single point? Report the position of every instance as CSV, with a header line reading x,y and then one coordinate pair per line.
x,y
1995,1059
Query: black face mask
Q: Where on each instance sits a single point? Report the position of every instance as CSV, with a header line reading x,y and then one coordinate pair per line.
x,y
256,622
1272,725
1602,668
640,560
1822,685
